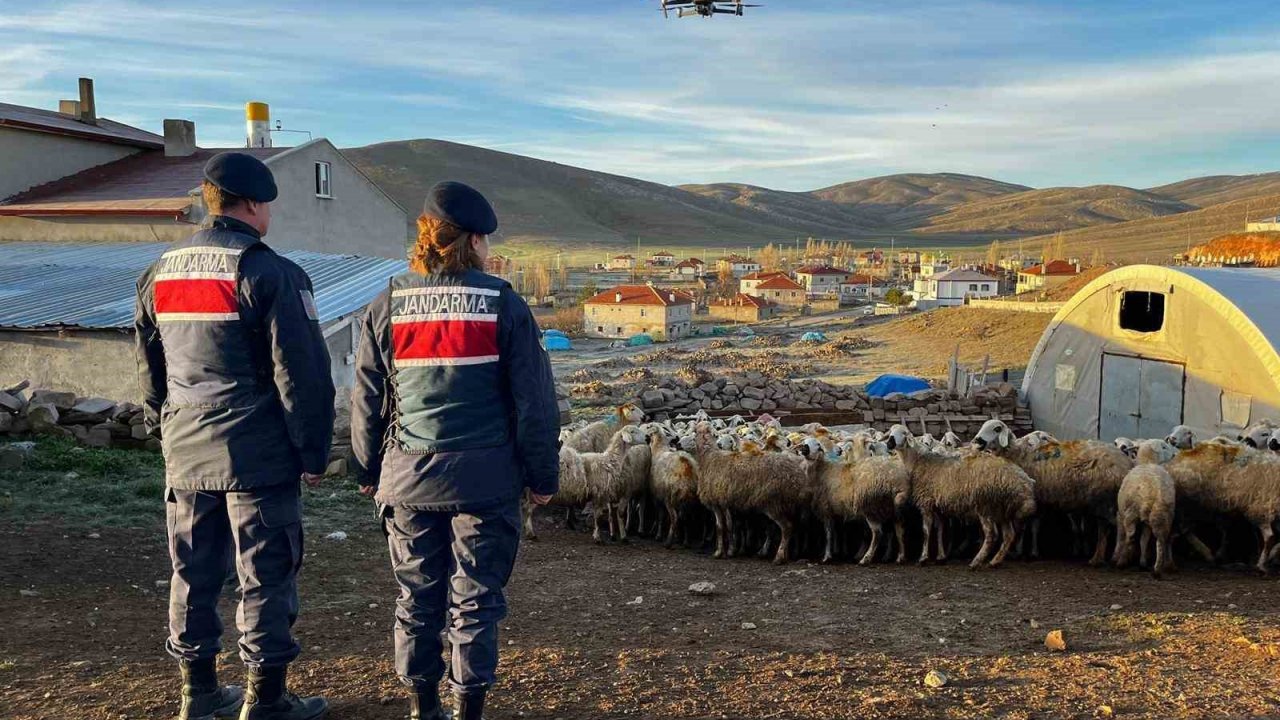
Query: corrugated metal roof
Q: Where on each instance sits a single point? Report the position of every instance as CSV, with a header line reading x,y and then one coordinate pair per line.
x,y
30,118
51,285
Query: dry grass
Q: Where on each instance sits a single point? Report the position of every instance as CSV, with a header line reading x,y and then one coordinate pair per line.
x,y
567,320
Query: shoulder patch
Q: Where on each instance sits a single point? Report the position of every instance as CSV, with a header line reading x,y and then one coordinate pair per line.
x,y
309,302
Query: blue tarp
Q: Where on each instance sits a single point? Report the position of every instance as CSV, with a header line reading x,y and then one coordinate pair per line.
x,y
641,339
552,332
813,337
557,342
886,384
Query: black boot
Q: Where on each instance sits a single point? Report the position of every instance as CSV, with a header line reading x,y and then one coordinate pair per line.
x,y
202,699
469,706
424,704
269,699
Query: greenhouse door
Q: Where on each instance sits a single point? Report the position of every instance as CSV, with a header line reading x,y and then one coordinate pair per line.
x,y
1140,398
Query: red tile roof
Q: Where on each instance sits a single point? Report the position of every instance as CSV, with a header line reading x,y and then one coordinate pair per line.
x,y
690,263
144,184
781,282
641,295
821,270
764,275
856,279
1055,267
742,299
50,121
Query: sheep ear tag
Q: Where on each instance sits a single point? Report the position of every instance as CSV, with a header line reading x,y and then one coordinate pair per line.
x,y
833,456
611,420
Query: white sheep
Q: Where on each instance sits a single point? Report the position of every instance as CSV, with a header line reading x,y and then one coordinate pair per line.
x,y
573,493
674,481
595,437
771,483
1147,498
867,483
1079,476
996,492
605,480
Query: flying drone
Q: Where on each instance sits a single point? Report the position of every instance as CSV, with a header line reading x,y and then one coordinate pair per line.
x,y
704,8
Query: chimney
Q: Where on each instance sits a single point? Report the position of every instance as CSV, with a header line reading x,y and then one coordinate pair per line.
x,y
617,297
672,296
179,138
88,112
69,107
257,121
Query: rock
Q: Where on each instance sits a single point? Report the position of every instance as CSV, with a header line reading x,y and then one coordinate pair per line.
x,y
936,679
138,432
162,584
29,593
639,599
1055,641
846,405
750,404
6,423
703,588
652,399
753,393
1117,606
97,437
11,403
1035,625
42,416
95,406
730,391
336,536
748,626
61,400
337,468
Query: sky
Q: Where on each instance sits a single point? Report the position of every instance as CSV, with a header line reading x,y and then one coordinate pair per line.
x,y
795,95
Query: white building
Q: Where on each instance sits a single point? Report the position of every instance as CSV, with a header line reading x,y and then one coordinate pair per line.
x,y
954,286
739,265
622,262
862,287
821,280
662,259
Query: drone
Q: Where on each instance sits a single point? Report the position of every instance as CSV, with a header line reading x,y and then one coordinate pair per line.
x,y
704,8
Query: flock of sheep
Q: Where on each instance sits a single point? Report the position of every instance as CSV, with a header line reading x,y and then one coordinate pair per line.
x,y
769,490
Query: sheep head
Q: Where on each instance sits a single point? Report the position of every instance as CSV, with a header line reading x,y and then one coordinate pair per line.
x,y
1181,437
1258,434
951,440
1155,452
1128,446
993,435
1274,443
630,414
898,436
633,435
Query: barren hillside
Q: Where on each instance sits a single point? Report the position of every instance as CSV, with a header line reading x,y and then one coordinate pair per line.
x,y
1053,209
1217,189
905,201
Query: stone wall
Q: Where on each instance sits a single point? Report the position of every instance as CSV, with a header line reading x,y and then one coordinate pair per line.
x,y
94,422
752,393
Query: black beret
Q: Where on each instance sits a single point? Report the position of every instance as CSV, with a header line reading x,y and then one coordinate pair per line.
x,y
461,205
243,175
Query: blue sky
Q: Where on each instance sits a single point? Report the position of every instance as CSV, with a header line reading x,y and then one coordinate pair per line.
x,y
797,95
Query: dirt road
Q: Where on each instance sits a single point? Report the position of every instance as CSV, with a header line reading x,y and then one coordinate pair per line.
x,y
612,632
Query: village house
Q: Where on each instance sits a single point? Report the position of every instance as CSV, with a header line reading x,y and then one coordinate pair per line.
x,y
627,310
499,265
1039,277
743,308
821,280
691,268
71,176
622,262
662,259
862,287
782,290
953,287
748,283
738,265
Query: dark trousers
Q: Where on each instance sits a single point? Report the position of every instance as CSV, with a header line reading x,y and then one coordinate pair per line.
x,y
261,532
454,565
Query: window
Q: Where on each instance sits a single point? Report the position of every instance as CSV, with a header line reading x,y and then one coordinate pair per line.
x,y
985,287
1142,311
600,329
973,287
641,312
323,187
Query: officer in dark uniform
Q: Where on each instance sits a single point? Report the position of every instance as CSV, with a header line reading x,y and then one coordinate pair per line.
x,y
453,415
236,377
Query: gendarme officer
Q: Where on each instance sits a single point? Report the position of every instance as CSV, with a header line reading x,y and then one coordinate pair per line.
x,y
235,375
453,415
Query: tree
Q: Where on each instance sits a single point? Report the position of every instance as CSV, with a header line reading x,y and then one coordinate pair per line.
x,y
587,292
896,296
769,258
993,253
1098,259
540,282
1059,248
726,283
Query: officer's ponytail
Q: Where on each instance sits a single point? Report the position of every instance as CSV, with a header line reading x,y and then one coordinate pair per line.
x,y
442,248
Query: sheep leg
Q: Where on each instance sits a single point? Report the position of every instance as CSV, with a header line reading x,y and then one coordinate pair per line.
x,y
623,509
568,518
720,533
766,547
1268,540
526,512
736,527
1124,542
597,519
1198,545
1162,535
1221,554
1144,544
1010,534
900,533
877,531
988,539
1100,549
926,530
784,540
1035,538
942,539
829,527
673,522
890,550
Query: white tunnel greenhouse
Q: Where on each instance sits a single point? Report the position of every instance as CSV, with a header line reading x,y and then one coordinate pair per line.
x,y
1144,348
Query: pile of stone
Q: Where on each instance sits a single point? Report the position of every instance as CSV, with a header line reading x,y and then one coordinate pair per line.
x,y
933,410
93,422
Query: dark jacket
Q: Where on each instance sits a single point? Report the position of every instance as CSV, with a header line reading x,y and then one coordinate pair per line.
x,y
454,405
233,365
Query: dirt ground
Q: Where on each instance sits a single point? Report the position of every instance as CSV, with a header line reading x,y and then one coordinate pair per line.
x,y
612,632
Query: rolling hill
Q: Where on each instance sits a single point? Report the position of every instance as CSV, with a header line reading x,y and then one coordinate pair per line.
x,y
1054,209
544,201
902,202
800,208
1218,189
